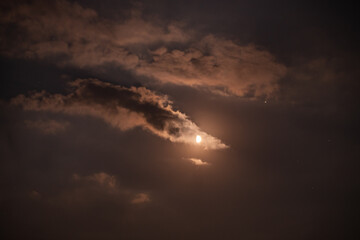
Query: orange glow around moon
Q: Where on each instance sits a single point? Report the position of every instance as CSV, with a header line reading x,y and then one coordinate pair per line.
x,y
198,139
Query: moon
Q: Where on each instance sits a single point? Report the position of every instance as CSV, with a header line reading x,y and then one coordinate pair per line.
x,y
198,138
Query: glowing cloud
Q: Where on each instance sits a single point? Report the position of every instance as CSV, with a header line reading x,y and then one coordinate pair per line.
x,y
123,108
69,34
140,198
198,161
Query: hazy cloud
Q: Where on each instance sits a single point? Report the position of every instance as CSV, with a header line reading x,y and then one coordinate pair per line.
x,y
35,195
47,126
73,35
123,108
110,185
101,178
98,186
197,161
140,198
222,65
76,35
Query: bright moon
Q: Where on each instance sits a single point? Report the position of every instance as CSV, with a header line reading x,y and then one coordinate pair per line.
x,y
198,139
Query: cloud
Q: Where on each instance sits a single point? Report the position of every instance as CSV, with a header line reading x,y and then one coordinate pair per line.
x,y
35,195
78,36
123,108
306,78
198,161
222,65
109,185
140,198
49,127
101,178
70,34
97,187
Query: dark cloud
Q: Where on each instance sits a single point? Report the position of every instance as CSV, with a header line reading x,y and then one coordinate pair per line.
x,y
123,108
73,35
99,185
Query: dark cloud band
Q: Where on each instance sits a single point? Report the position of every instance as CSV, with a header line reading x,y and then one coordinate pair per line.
x,y
123,108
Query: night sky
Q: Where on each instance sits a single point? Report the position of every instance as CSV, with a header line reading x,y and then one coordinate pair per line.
x,y
179,120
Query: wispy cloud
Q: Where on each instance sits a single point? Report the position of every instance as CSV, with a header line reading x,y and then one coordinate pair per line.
x,y
140,198
223,65
198,161
76,35
101,178
70,34
49,126
101,184
123,108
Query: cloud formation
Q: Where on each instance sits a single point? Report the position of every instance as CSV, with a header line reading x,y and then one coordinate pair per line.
x,y
140,198
76,35
70,34
49,127
103,179
98,186
198,161
123,108
222,65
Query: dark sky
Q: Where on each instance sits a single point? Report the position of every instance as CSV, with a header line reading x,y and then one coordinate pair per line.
x,y
101,103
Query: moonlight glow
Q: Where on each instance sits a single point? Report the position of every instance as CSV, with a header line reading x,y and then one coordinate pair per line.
x,y
198,139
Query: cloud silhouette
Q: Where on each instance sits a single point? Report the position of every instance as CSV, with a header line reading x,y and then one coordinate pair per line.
x,y
123,108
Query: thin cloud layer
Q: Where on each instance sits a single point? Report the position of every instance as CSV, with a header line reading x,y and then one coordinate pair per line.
x,y
49,127
222,65
140,198
123,108
77,36
103,179
198,161
70,34
96,187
